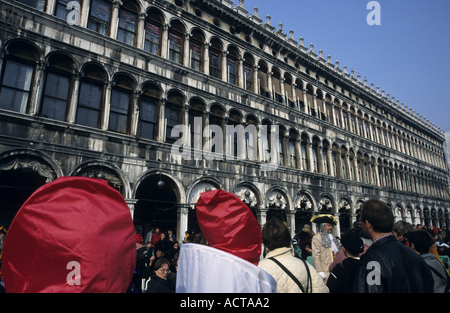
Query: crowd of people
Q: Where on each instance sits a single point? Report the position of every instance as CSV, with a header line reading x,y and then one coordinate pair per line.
x,y
339,264
378,255
157,260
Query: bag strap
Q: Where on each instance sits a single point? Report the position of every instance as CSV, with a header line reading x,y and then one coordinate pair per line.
x,y
439,274
292,275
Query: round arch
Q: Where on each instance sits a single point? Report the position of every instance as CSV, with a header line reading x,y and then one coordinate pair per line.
x,y
157,199
22,172
105,170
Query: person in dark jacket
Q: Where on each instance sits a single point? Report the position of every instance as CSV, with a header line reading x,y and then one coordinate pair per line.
x,y
342,277
388,266
159,282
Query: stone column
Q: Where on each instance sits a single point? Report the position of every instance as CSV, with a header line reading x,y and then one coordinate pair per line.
x,y
162,121
206,58
115,19
182,222
107,106
36,89
131,203
165,41
72,108
224,67
134,113
255,79
140,31
240,72
185,60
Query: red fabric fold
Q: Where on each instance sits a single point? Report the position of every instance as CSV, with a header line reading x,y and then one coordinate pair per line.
x,y
229,225
73,219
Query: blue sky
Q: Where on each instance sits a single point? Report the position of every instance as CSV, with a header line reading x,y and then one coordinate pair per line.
x,y
407,55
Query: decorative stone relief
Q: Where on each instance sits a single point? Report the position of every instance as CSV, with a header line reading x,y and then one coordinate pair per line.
x,y
247,196
276,200
41,169
198,189
344,206
325,205
303,203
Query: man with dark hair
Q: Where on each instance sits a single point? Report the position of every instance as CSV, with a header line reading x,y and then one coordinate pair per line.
x,y
420,242
388,266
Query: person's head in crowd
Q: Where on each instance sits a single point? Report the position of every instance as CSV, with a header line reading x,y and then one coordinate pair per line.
x,y
420,241
161,268
276,234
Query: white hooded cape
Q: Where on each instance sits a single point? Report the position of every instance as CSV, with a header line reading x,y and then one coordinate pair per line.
x,y
202,269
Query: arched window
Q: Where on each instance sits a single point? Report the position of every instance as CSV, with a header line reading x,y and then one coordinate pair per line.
x,y
196,50
263,80
57,89
335,157
328,109
90,96
251,139
360,167
232,69
305,155
288,90
374,131
379,136
373,171
345,117
280,146
37,4
337,113
326,166
248,72
353,120
293,138
216,118
61,10
310,100
352,169
153,30
173,117
215,56
360,124
234,119
100,16
265,142
320,108
128,17
121,103
315,156
148,112
366,169
366,127
176,38
196,113
17,76
276,85
344,167
299,95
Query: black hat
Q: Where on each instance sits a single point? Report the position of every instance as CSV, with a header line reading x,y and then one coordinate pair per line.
x,y
353,243
324,218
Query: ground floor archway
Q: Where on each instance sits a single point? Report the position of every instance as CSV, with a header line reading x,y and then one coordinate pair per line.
x,y
156,204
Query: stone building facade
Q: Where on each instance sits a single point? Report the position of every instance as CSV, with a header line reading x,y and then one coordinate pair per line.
x,y
95,88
